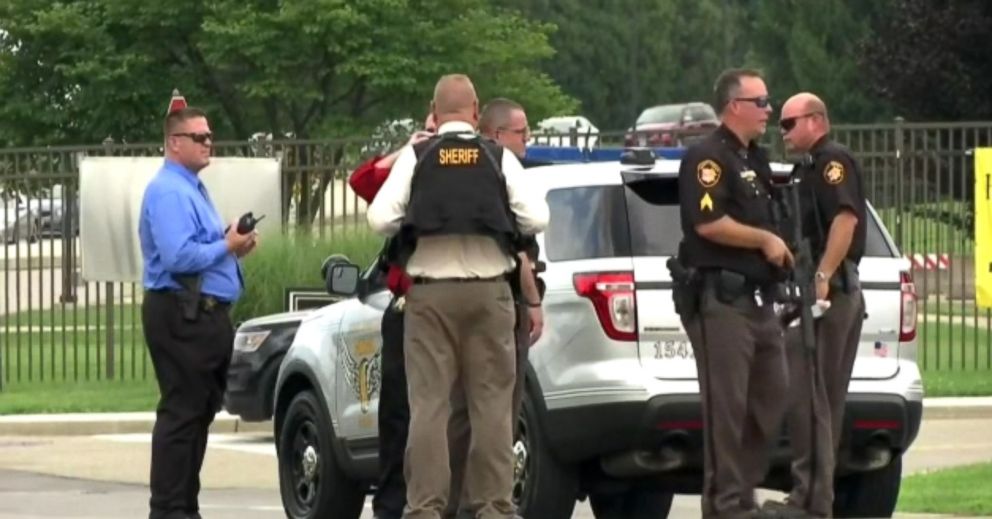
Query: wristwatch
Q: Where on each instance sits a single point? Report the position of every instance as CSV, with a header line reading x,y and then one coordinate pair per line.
x,y
820,275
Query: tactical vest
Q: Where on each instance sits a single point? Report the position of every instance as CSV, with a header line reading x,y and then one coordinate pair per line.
x,y
458,188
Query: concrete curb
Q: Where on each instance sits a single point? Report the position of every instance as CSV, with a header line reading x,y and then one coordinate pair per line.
x,y
957,408
86,424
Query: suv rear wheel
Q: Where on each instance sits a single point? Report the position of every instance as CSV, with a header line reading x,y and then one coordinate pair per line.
x,y
311,483
869,494
634,503
543,486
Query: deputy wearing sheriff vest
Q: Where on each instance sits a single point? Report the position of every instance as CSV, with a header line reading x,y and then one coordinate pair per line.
x,y
726,306
833,218
457,203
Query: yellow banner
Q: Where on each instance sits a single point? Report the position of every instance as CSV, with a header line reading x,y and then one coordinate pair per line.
x,y
983,227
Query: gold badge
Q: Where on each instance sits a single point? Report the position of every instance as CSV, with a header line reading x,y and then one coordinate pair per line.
x,y
706,203
708,173
834,174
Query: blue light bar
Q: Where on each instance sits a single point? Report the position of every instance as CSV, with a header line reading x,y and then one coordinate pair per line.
x,y
577,154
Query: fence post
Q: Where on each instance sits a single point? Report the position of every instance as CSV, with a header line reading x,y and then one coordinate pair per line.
x,y
69,217
900,171
109,357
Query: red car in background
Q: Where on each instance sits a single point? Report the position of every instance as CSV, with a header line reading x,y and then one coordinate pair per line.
x,y
672,125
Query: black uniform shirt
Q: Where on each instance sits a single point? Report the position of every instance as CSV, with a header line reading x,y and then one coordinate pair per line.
x,y
831,175
719,176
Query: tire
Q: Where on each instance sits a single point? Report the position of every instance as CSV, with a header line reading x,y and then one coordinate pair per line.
x,y
543,486
869,494
635,503
311,483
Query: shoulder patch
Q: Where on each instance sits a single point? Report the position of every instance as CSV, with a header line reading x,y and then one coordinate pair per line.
x,y
834,173
708,172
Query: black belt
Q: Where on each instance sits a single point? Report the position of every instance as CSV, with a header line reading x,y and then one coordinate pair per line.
x,y
207,301
748,294
420,280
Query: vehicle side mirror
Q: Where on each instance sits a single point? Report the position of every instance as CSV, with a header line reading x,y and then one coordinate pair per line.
x,y
342,279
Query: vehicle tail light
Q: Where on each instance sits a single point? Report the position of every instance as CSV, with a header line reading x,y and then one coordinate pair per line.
x,y
907,307
612,295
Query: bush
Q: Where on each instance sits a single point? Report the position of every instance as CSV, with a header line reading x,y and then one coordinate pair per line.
x,y
294,260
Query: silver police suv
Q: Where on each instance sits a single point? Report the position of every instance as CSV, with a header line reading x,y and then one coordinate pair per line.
x,y
611,412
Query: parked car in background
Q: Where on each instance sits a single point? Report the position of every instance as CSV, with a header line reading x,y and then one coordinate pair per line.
x,y
17,219
672,125
53,218
558,131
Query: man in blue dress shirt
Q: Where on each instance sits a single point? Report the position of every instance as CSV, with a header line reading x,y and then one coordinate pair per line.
x,y
191,277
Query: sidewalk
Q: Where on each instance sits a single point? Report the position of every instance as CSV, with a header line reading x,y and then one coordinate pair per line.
x,y
85,424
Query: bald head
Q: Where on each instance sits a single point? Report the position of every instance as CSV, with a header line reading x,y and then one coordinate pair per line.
x,y
455,100
803,102
803,122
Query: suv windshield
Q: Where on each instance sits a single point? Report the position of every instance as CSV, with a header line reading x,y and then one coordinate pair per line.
x,y
592,222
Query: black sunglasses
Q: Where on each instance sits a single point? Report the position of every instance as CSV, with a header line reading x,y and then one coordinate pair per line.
x,y
789,123
199,138
760,102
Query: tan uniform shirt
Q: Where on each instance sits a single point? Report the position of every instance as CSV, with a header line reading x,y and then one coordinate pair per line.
x,y
456,256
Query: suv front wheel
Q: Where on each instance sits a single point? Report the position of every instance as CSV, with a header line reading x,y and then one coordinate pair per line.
x,y
311,483
543,486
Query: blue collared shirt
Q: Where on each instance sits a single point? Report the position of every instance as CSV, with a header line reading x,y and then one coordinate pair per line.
x,y
182,233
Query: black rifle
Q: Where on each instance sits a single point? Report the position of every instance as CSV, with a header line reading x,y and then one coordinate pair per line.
x,y
800,286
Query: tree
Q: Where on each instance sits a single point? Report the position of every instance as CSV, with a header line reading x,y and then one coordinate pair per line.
x,y
810,46
931,59
620,56
78,71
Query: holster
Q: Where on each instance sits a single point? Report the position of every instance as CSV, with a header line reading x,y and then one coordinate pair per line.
x,y
189,295
848,278
686,289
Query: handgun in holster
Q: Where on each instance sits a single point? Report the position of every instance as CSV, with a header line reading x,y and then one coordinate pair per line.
x,y
686,292
189,295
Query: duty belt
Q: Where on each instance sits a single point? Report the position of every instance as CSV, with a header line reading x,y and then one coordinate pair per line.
x,y
735,289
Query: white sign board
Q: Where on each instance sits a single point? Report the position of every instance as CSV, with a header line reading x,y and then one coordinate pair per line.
x,y
110,193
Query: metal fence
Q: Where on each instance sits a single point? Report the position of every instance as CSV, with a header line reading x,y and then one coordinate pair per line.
x,y
58,328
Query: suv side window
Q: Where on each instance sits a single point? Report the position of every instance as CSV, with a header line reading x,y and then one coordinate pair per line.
x,y
592,222
587,222
656,223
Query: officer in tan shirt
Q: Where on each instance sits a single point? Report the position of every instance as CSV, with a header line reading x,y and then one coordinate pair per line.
x,y
458,204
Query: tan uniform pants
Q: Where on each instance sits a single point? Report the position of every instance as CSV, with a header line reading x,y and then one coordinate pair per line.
x,y
460,333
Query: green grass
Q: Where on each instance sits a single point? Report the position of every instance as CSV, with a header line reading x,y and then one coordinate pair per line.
x,y
953,308
960,490
75,315
294,261
928,235
954,359
73,356
958,346
79,397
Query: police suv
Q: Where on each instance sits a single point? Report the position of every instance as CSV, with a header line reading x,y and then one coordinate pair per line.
x,y
611,411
